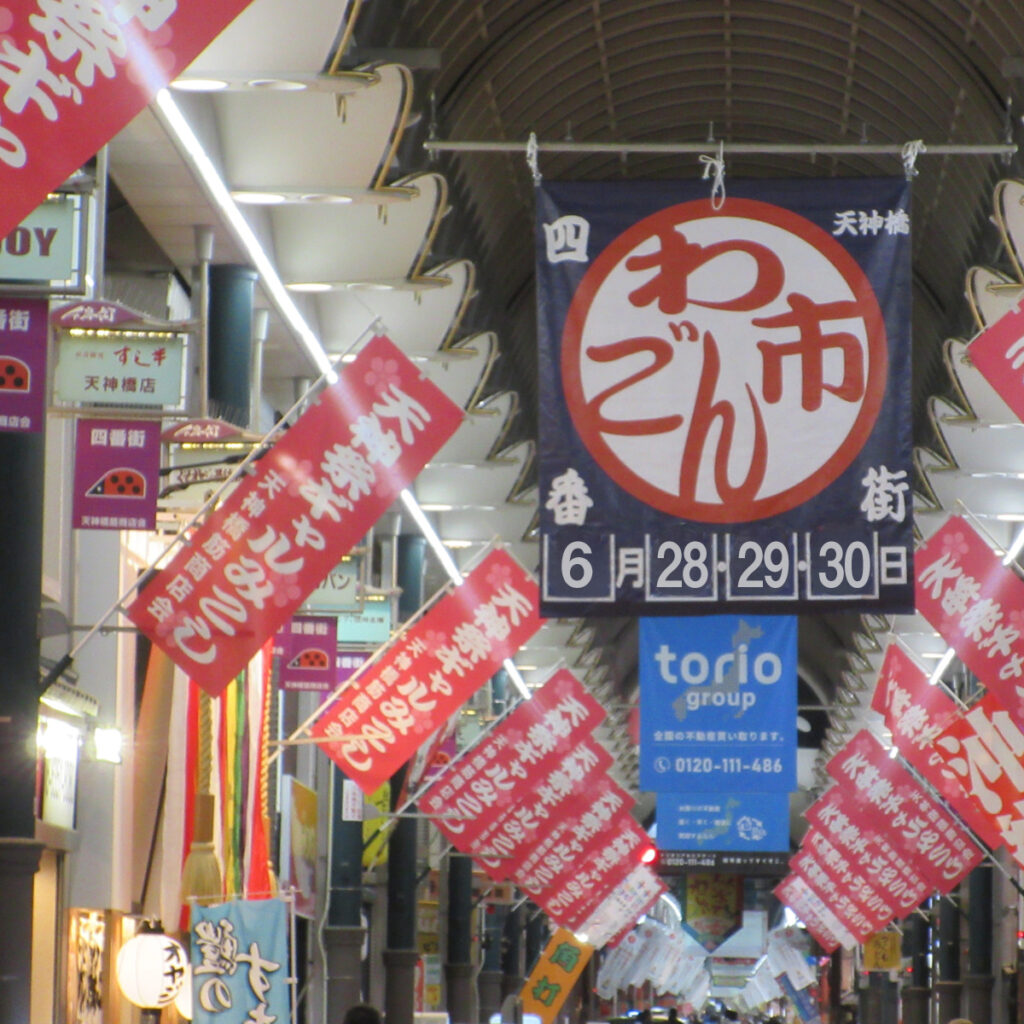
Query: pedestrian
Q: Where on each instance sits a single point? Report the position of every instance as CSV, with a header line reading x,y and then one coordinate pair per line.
x,y
362,1013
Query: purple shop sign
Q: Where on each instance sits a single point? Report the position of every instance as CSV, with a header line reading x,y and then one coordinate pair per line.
x,y
23,326
306,647
117,475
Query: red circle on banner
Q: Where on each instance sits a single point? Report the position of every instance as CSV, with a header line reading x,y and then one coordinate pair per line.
x,y
814,443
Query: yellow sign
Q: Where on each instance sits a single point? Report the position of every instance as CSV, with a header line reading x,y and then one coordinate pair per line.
x,y
554,975
375,831
882,951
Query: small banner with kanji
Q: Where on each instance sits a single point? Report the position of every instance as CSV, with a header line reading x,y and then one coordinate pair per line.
x,y
391,709
554,975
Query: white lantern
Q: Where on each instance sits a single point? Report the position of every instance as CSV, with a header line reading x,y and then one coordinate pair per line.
x,y
152,968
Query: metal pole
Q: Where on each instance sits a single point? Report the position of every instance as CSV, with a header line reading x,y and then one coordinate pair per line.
x,y
767,148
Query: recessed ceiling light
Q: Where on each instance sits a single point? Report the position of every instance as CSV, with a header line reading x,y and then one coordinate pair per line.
x,y
258,198
309,286
199,84
279,84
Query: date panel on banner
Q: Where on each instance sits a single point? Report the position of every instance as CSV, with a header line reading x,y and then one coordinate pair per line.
x,y
709,568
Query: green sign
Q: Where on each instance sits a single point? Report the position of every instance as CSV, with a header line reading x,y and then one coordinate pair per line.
x,y
42,247
119,369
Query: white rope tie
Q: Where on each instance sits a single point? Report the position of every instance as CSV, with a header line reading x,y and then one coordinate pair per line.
x,y
715,165
531,159
909,154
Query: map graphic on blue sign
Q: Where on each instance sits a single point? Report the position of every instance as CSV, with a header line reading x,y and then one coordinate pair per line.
x,y
718,703
734,822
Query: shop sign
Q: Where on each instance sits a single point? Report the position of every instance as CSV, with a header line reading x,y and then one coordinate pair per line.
x,y
680,862
117,475
916,714
308,501
724,414
86,86
240,961
42,247
718,703
120,369
966,592
387,712
740,820
882,952
554,975
306,649
339,590
59,772
23,333
368,624
935,841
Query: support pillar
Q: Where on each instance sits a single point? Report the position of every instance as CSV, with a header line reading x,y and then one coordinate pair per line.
x,y
512,976
490,977
947,987
459,968
343,933
976,1001
21,559
230,340
915,996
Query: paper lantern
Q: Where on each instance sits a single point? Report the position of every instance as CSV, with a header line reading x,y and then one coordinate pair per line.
x,y
152,969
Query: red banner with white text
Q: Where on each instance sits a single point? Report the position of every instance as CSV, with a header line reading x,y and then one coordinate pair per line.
x,y
830,932
917,713
308,501
998,354
390,709
72,75
977,604
918,825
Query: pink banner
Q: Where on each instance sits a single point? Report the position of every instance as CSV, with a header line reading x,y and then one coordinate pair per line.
x,y
833,890
74,75
388,711
916,714
939,848
308,501
794,892
998,354
977,605
851,826
983,750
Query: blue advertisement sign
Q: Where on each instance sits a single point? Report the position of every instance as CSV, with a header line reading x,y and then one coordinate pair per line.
x,y
736,822
724,397
240,962
718,704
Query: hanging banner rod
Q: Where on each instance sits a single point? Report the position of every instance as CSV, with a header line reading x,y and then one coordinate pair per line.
x,y
777,148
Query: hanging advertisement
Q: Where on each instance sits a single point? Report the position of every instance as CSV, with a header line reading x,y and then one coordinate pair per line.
x,y
724,414
997,353
932,838
299,818
741,821
23,332
972,598
917,713
117,475
554,975
240,962
307,502
712,907
388,711
829,931
718,704
86,84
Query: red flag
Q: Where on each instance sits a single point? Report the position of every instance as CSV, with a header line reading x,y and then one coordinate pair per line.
x,y
309,500
76,79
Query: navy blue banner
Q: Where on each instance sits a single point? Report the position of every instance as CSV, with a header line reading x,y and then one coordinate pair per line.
x,y
741,821
724,396
718,704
